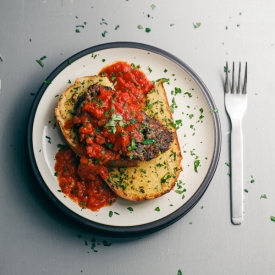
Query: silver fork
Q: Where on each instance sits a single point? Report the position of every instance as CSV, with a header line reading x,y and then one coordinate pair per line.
x,y
236,103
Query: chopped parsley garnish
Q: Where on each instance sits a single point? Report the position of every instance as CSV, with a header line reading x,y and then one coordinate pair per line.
x,y
165,70
245,190
163,80
116,27
178,123
103,60
149,69
180,191
173,105
189,94
49,139
272,218
224,68
227,164
130,208
165,178
62,147
47,82
153,6
133,145
105,243
252,181
148,141
40,63
196,165
69,81
157,209
112,123
177,91
214,111
197,25
77,31
263,196
56,174
179,272
1,58
140,27
111,214
104,33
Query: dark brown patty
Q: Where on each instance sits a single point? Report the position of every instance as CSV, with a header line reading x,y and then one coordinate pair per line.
x,y
158,137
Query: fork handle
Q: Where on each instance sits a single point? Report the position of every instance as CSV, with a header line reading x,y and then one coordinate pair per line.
x,y
237,172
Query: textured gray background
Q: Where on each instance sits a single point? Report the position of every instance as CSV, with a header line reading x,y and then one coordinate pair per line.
x,y
34,239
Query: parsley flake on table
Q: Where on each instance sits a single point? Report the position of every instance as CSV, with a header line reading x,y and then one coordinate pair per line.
x,y
214,111
272,218
47,82
153,6
111,214
171,25
227,164
130,209
105,243
1,58
157,209
224,68
116,27
140,27
245,190
77,31
226,27
197,25
149,69
263,196
147,30
104,33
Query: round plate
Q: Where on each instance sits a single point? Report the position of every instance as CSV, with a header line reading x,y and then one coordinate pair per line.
x,y
198,134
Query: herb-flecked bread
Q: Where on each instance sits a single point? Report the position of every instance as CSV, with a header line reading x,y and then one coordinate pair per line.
x,y
154,178
66,103
149,179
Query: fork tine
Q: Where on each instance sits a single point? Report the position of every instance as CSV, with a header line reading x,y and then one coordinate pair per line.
x,y
226,79
233,88
245,79
239,79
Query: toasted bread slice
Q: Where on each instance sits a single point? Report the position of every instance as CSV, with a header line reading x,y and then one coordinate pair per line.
x,y
64,110
150,179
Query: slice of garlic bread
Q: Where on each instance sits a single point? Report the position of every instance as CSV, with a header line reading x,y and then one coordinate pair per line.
x,y
66,103
150,179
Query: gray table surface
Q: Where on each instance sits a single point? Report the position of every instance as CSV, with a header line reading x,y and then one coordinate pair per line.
x,y
35,239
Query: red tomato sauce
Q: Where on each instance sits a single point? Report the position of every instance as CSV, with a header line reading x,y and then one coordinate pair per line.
x,y
107,128
92,192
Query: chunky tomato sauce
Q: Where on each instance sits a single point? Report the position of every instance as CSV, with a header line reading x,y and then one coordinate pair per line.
x,y
92,192
108,128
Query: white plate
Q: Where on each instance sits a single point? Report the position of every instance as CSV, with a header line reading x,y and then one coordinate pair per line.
x,y
199,137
